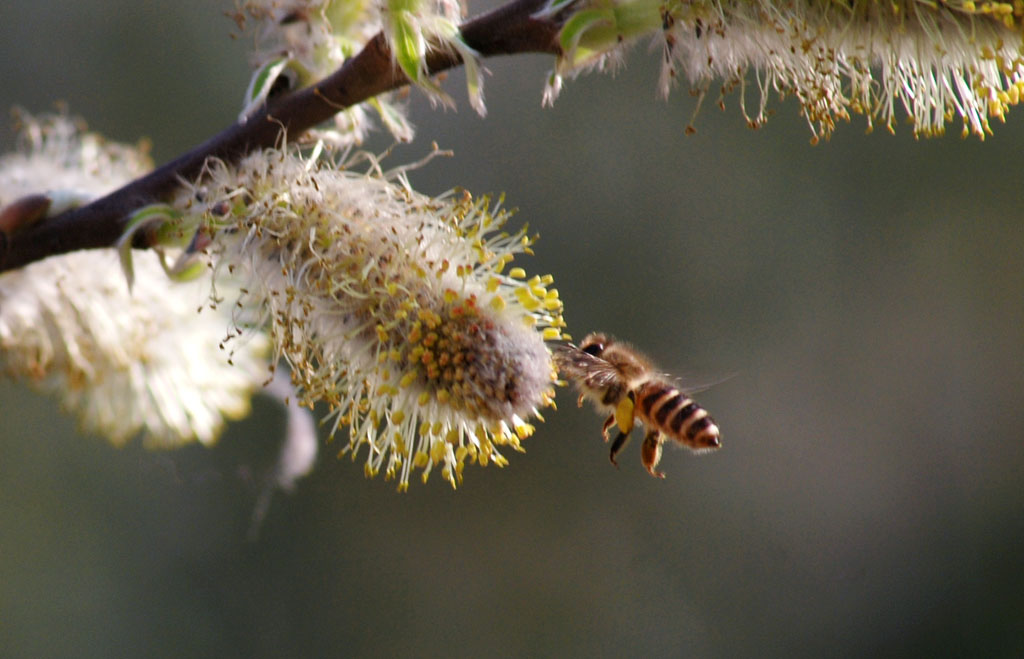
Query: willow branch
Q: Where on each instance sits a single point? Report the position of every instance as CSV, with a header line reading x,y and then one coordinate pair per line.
x,y
509,29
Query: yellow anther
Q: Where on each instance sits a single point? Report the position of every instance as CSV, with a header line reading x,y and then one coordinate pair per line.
x,y
524,295
517,273
551,334
530,303
429,318
504,260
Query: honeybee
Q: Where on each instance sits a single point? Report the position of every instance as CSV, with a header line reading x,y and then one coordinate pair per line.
x,y
623,382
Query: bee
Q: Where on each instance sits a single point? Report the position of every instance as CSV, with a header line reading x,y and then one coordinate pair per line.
x,y
624,383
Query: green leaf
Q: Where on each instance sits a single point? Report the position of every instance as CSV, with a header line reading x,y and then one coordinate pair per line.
x,y
263,80
147,217
577,27
409,44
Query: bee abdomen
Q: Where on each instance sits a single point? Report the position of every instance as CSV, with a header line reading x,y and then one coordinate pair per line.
x,y
659,401
683,414
677,415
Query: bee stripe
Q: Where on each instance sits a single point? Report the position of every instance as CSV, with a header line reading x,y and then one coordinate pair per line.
x,y
648,401
699,426
662,414
684,413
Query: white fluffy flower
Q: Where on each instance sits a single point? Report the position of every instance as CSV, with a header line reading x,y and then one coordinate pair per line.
x,y
934,60
123,363
298,42
391,307
55,156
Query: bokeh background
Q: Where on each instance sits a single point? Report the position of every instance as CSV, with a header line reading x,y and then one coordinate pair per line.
x,y
860,305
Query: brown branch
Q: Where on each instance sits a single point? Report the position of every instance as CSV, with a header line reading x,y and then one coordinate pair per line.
x,y
507,30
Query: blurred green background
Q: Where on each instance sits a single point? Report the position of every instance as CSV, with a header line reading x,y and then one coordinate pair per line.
x,y
860,304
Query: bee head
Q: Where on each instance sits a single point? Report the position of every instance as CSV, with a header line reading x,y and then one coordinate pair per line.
x,y
594,344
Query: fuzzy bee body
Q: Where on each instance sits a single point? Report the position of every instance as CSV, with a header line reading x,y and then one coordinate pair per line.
x,y
623,382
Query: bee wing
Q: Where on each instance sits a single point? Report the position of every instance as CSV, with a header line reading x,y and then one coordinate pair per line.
x,y
695,384
582,367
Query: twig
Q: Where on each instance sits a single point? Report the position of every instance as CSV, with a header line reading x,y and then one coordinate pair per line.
x,y
507,30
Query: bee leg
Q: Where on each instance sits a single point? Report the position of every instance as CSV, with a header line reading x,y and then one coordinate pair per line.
x,y
620,441
650,452
579,401
608,423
